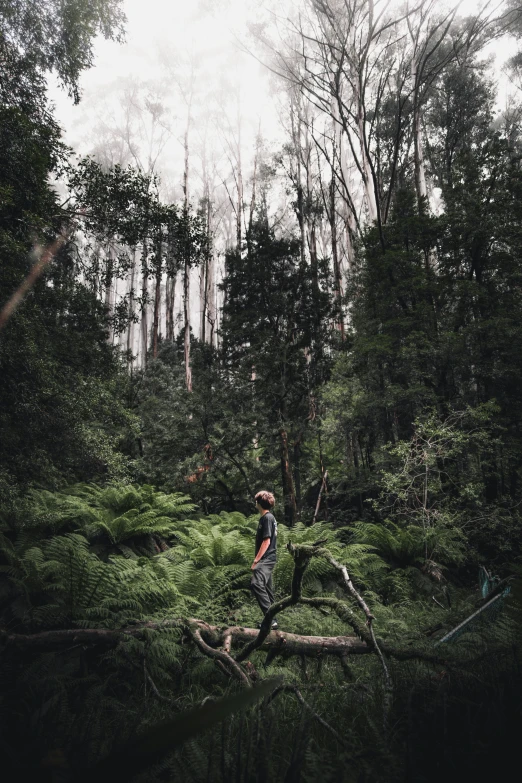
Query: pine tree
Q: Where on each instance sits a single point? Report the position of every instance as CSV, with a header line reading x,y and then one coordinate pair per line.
x,y
274,317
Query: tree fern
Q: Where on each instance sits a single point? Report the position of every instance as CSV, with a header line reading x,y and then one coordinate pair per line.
x,y
58,576
406,556
119,514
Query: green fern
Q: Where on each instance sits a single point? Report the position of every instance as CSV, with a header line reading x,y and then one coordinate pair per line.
x,y
119,514
429,549
58,576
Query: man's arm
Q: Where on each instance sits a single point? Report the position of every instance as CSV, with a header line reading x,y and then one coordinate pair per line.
x,y
262,549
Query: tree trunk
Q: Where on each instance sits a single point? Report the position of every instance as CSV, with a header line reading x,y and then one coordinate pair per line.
x,y
420,169
254,184
369,189
144,304
350,229
290,506
204,271
186,270
109,281
348,200
211,298
206,289
295,118
310,218
170,286
321,488
186,311
239,216
170,293
203,299
338,283
157,301
130,328
96,285
297,474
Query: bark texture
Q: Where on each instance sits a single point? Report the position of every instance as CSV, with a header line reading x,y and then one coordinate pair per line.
x,y
290,504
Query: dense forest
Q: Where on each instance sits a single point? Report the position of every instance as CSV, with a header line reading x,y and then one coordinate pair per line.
x,y
337,319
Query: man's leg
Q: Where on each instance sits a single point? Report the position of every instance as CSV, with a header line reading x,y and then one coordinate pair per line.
x,y
261,576
270,587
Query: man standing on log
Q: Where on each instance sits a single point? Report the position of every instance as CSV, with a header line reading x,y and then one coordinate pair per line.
x,y
266,552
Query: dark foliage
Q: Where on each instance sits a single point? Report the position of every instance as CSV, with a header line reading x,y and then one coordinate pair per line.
x,y
395,454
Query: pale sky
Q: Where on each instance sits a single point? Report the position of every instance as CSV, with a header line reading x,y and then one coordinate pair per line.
x,y
173,29
178,30
163,38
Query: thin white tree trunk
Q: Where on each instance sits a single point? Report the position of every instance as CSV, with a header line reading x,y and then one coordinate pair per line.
x,y
340,162
211,298
130,328
109,286
369,189
144,305
239,216
186,270
420,168
295,117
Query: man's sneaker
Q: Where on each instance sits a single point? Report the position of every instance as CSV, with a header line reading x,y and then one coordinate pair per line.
x,y
274,625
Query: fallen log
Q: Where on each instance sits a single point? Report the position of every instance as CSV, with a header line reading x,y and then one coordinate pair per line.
x,y
286,644
280,642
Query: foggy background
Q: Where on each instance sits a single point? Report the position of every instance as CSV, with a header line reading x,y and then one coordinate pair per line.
x,y
201,68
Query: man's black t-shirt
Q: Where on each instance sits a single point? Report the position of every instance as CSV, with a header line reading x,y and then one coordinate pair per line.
x,y
267,528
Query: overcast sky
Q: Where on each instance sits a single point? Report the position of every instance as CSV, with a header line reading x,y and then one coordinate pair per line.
x,y
176,31
157,30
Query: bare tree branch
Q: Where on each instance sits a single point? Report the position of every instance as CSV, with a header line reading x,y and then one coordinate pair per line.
x,y
219,655
36,271
297,693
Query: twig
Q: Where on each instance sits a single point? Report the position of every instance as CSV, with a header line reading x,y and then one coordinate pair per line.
x,y
221,666
147,677
461,625
388,685
348,583
323,485
218,655
297,693
346,667
152,684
